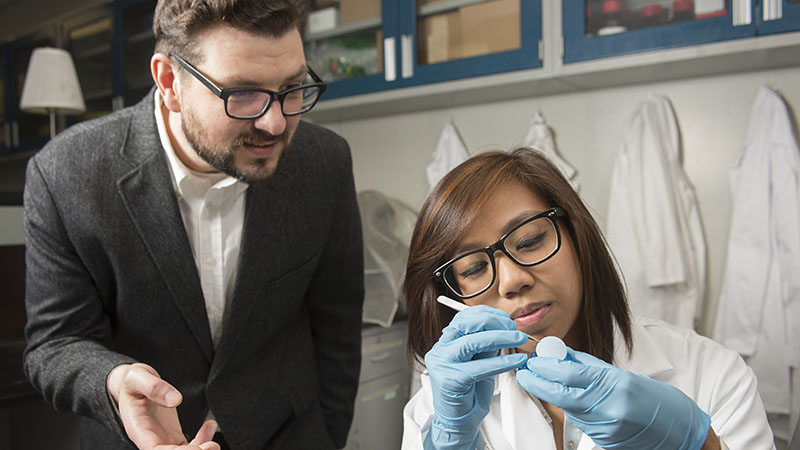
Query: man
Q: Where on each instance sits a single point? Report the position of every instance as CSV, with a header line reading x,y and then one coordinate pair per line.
x,y
198,256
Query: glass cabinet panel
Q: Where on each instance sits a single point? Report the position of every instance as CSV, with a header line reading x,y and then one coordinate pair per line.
x,y
604,17
601,28
343,39
453,29
139,42
90,45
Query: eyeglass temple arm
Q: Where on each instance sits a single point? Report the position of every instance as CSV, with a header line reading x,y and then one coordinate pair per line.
x,y
203,79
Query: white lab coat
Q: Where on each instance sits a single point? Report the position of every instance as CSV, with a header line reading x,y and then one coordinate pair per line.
x,y
759,307
653,225
716,378
450,151
540,137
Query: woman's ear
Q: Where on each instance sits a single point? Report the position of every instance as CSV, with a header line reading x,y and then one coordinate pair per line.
x,y
166,80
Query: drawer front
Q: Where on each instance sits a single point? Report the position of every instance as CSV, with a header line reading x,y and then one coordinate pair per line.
x,y
378,418
383,350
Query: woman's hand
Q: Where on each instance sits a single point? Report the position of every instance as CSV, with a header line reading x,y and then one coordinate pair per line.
x,y
462,366
617,409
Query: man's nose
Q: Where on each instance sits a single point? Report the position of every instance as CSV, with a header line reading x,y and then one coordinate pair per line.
x,y
273,121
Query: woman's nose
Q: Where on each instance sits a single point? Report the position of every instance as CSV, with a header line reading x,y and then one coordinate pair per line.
x,y
511,277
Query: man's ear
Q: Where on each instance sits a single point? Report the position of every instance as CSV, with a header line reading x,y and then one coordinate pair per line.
x,y
166,80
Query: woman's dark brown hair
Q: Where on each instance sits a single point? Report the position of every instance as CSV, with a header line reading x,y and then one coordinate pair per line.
x,y
452,207
177,22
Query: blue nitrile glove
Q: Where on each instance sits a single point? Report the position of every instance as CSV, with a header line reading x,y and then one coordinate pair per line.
x,y
616,408
462,366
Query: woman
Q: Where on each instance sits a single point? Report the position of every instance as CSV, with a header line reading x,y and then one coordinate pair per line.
x,y
507,234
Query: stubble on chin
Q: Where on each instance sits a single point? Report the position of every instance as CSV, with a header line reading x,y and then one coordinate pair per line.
x,y
250,171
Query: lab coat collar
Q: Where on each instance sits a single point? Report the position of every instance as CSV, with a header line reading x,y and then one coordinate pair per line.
x,y
647,358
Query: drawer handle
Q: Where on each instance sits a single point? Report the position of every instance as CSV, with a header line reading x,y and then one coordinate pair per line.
x,y
381,357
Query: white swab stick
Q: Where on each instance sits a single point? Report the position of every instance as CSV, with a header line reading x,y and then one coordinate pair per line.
x,y
458,306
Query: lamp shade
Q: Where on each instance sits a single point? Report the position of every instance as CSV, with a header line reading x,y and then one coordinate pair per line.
x,y
51,83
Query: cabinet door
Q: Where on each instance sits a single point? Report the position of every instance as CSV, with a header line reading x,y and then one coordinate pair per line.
x,y
89,42
28,130
403,43
133,47
601,28
346,43
5,120
779,16
454,39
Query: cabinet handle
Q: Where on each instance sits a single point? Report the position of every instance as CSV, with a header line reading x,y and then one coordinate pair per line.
x,y
389,59
381,357
406,44
742,12
773,9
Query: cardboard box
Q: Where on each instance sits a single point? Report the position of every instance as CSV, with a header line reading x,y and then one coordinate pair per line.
x,y
439,38
490,27
356,10
322,20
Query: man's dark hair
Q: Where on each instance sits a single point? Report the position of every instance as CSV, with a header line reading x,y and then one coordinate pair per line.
x,y
177,22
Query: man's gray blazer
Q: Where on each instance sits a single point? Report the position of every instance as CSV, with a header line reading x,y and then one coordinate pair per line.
x,y
111,279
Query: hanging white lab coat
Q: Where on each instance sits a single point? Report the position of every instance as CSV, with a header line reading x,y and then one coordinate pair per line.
x,y
716,378
759,307
653,225
540,137
450,151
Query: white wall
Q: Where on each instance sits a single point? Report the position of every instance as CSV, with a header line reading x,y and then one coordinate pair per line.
x,y
391,152
11,225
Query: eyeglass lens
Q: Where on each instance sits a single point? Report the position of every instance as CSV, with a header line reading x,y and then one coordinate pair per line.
x,y
253,103
529,244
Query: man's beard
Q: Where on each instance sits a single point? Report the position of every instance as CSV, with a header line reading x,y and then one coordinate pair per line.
x,y
224,158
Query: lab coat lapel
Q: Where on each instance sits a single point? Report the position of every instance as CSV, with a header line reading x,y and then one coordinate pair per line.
x,y
149,197
523,423
647,358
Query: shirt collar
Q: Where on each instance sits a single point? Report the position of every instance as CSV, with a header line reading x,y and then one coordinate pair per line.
x,y
183,176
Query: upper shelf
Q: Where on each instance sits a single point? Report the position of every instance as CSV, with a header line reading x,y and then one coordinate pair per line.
x,y
741,55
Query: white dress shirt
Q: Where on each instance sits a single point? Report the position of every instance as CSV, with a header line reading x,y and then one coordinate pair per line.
x,y
212,207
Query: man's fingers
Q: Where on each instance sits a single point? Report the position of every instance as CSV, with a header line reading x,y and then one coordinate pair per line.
x,y
149,384
205,433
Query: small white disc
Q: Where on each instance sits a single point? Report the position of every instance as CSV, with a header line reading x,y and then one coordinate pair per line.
x,y
551,347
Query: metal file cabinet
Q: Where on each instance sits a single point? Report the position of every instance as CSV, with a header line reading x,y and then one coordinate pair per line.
x,y
383,389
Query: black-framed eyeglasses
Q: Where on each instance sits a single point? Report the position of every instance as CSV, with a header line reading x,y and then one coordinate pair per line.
x,y
532,242
251,103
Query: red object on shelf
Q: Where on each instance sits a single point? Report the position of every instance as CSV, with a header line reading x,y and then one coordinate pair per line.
x,y
682,10
651,15
612,6
720,13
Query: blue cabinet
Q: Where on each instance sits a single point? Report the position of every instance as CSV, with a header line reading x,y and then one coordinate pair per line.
x,y
781,16
596,29
414,42
132,46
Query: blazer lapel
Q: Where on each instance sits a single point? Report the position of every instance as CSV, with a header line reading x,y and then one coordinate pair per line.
x,y
150,199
